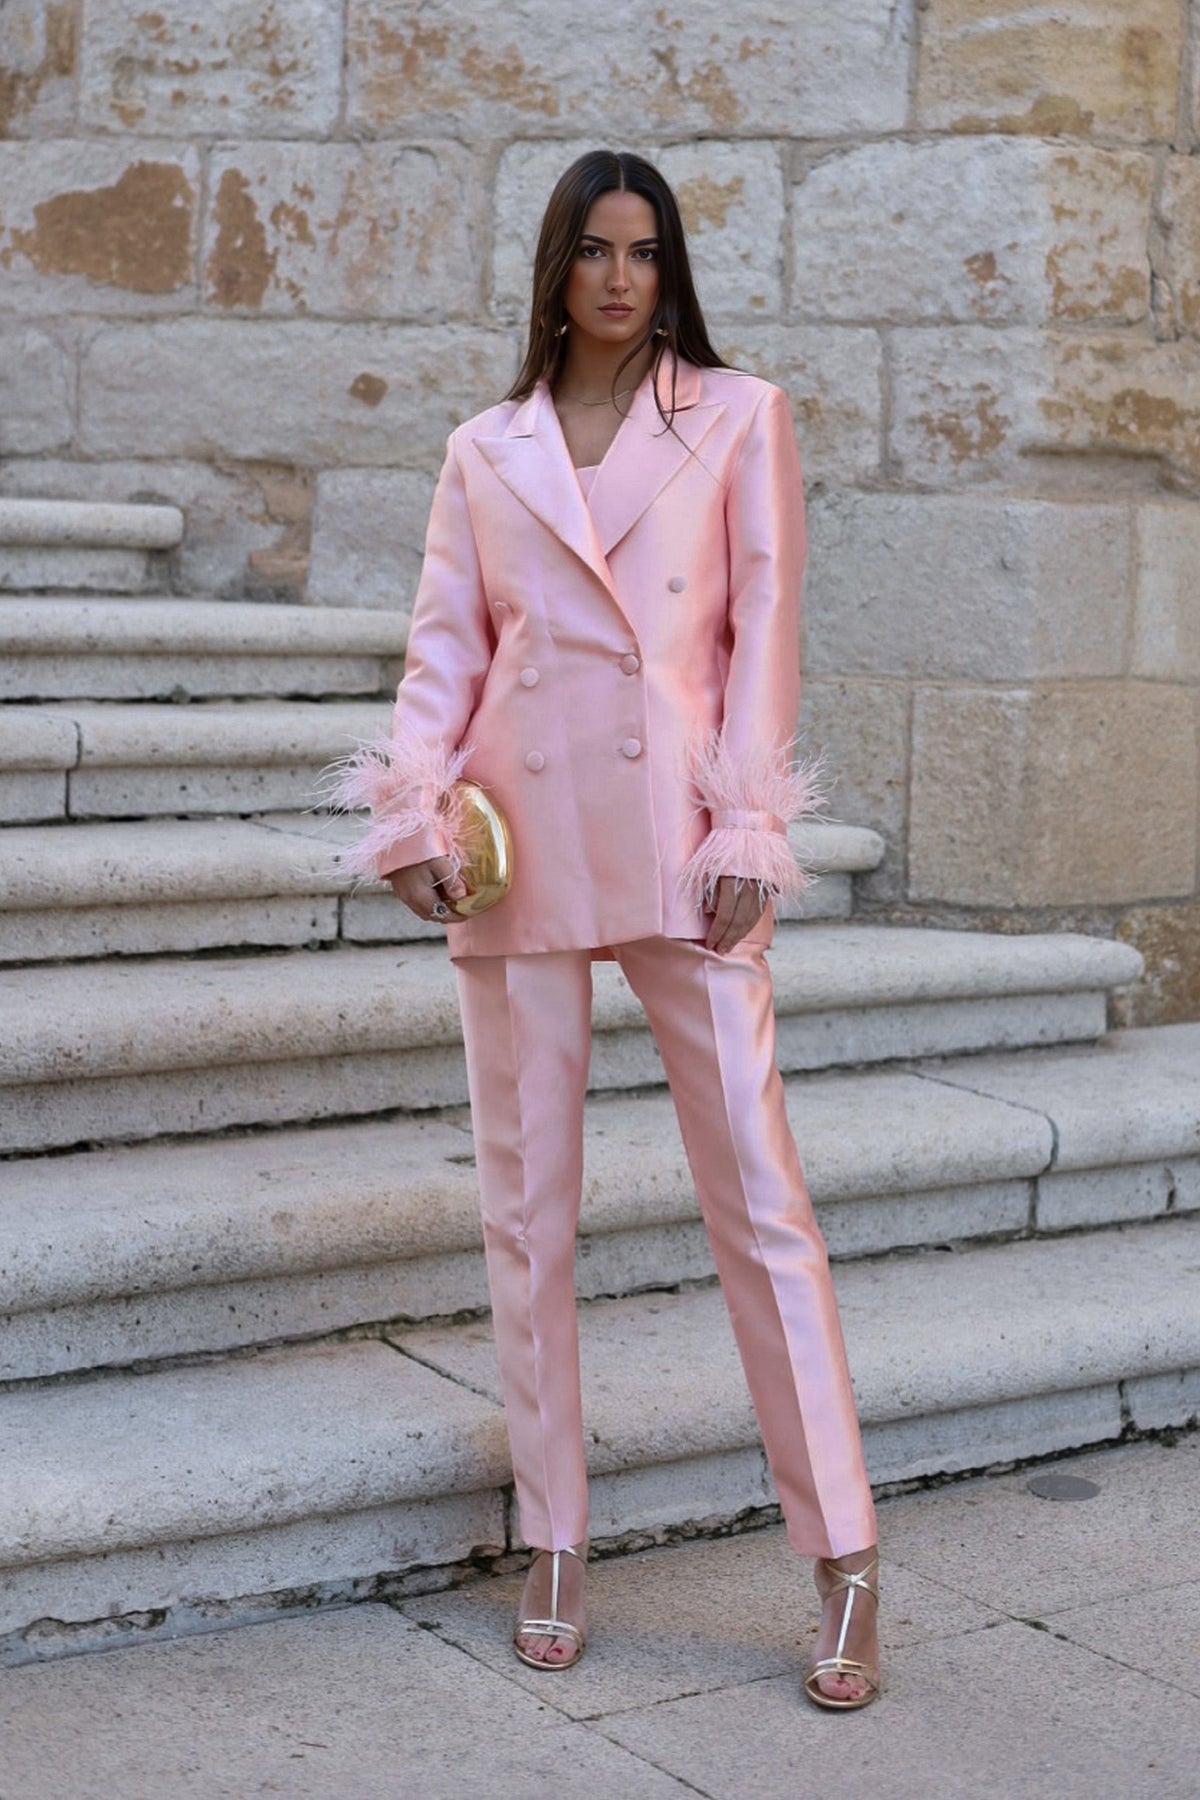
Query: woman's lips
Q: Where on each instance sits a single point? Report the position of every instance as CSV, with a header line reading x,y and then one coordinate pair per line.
x,y
617,311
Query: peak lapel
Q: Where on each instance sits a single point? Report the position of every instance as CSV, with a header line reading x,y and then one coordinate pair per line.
x,y
645,454
533,461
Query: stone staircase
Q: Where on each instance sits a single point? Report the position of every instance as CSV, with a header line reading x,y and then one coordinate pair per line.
x,y
244,1352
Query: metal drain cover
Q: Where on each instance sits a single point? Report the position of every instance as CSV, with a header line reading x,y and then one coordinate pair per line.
x,y
1062,1487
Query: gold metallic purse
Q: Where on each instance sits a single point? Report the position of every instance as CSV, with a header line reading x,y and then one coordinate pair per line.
x,y
485,846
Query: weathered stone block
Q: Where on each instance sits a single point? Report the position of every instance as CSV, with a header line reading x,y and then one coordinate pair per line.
x,y
37,66
731,197
37,389
619,73
1126,395
1166,640
1053,796
1080,67
87,225
971,403
368,536
1179,209
1169,939
381,230
833,377
965,229
233,66
247,523
962,402
298,390
862,726
933,585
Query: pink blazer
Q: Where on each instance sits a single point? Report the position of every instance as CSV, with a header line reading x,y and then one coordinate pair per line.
x,y
621,673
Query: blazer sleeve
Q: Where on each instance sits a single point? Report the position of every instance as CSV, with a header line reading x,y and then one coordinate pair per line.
x,y
405,780
745,774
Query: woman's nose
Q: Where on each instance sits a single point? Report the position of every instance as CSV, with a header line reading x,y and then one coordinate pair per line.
x,y
619,278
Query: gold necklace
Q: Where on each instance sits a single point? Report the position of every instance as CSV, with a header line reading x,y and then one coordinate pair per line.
x,y
609,400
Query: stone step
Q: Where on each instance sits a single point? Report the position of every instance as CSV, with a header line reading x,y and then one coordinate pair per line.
x,y
93,546
312,1466
67,646
133,1049
154,1251
136,761
188,884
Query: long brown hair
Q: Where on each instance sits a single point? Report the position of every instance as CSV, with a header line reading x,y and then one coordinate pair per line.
x,y
677,323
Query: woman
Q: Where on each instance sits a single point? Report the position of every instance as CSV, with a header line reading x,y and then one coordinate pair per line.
x,y
606,635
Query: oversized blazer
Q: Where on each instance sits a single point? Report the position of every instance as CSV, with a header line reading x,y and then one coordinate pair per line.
x,y
621,672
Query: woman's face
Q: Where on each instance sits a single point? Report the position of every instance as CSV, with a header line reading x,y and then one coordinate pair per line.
x,y
612,289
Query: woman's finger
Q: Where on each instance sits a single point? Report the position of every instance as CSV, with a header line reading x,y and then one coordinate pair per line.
x,y
725,899
442,871
739,908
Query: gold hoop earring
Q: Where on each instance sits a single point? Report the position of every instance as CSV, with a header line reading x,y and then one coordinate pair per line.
x,y
662,332
562,330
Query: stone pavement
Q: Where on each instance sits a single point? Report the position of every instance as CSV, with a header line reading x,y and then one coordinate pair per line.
x,y
1033,1648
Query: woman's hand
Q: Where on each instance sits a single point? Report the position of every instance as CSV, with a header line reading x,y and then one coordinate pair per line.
x,y
738,910
423,884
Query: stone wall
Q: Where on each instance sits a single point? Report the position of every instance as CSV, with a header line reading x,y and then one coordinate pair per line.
x,y
258,256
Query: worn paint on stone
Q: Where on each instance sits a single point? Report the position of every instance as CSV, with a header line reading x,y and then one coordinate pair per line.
x,y
496,70
1169,939
231,66
378,230
239,266
991,229
278,569
1125,394
37,64
368,388
1080,68
135,234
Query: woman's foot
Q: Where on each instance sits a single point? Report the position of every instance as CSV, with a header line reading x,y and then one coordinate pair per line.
x,y
540,1604
861,1641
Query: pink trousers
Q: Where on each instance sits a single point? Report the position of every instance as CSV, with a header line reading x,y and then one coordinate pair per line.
x,y
527,1026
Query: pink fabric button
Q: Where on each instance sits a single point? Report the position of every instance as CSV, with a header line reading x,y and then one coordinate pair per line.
x,y
631,664
529,678
677,583
535,761
631,747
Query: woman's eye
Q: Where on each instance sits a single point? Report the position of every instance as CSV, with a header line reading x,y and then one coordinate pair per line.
x,y
591,251
647,253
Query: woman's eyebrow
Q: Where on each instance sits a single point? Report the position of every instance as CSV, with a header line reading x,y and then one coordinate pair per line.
x,y
590,237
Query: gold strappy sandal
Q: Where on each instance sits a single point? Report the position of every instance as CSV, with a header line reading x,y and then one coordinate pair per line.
x,y
553,1626
854,1581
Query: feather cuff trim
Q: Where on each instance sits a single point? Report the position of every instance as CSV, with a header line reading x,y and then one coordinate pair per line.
x,y
407,786
750,801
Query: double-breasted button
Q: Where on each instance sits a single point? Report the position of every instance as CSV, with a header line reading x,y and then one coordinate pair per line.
x,y
529,678
677,583
631,747
630,664
535,761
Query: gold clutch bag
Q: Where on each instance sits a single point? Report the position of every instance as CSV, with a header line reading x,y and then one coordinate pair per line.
x,y
485,847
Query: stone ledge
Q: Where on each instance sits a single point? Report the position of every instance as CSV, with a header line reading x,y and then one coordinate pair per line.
x,y
49,523
104,1019
352,1196
104,1471
185,860
53,623
258,733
